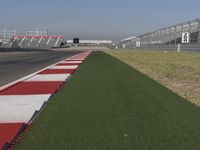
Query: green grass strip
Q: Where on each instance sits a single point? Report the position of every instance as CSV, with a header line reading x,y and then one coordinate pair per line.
x,y
107,105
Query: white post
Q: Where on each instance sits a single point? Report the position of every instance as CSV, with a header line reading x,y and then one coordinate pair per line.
x,y
13,41
26,31
37,32
15,31
22,41
31,41
39,41
57,42
49,40
179,48
4,33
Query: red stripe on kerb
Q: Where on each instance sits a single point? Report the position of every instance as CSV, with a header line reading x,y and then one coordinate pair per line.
x,y
74,59
68,64
27,88
8,131
58,71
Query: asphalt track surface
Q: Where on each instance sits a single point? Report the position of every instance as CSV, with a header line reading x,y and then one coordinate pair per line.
x,y
15,65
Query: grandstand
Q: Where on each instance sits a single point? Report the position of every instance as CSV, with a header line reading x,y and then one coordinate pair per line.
x,y
32,39
36,41
169,38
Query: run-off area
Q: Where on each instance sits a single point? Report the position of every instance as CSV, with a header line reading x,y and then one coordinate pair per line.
x,y
108,105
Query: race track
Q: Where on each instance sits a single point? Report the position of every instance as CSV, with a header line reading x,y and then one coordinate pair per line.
x,y
15,65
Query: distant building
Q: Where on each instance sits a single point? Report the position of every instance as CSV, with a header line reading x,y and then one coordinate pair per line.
x,y
105,43
127,43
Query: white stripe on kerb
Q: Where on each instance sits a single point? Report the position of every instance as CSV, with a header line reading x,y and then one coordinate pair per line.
x,y
20,108
48,77
73,59
69,62
64,67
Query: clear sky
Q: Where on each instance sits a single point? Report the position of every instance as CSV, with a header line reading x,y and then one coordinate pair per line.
x,y
96,19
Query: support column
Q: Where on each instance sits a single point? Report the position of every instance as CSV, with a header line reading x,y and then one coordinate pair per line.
x,y
199,33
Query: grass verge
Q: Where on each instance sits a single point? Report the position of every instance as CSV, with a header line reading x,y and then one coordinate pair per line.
x,y
180,72
107,105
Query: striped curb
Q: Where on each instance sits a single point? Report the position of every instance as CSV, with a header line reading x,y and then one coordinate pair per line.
x,y
22,100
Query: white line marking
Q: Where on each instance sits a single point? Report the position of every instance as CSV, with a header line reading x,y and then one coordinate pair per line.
x,y
48,77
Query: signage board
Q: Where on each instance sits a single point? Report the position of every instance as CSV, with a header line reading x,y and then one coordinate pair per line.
x,y
185,38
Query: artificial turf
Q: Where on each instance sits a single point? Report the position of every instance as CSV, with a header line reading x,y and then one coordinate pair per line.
x,y
107,105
